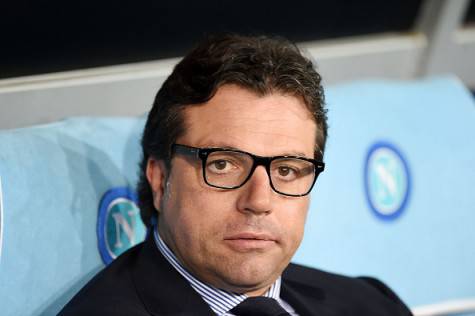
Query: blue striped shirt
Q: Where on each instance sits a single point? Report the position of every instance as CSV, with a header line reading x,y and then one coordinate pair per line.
x,y
220,301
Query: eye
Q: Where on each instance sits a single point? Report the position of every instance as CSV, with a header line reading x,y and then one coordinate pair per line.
x,y
287,173
220,166
291,169
284,171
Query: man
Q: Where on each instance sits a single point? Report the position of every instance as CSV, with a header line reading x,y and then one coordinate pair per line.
x,y
231,149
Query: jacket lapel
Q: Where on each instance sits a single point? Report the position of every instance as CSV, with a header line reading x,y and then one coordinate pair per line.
x,y
307,300
161,288
164,291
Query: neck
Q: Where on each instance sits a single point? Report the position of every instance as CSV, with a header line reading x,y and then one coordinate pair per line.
x,y
259,292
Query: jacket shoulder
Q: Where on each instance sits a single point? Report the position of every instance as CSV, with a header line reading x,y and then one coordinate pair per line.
x,y
353,295
110,292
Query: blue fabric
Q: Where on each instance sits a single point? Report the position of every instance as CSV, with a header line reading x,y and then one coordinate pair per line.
x,y
427,254
54,176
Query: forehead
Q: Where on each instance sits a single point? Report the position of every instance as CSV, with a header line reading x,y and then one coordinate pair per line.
x,y
273,124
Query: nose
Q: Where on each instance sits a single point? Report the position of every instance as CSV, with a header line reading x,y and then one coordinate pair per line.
x,y
256,195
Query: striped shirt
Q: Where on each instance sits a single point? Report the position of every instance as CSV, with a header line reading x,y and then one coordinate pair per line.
x,y
220,301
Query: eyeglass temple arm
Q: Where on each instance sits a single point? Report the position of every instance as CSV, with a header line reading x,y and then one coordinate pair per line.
x,y
185,150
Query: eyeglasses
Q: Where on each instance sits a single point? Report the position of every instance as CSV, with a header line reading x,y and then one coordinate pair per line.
x,y
231,169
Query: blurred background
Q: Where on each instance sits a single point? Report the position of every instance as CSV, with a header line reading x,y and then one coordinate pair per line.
x,y
97,46
395,200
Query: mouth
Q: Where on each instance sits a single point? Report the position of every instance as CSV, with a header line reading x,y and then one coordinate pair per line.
x,y
245,242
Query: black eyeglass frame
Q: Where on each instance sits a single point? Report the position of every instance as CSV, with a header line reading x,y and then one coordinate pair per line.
x,y
203,153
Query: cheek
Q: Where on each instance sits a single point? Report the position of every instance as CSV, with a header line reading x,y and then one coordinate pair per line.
x,y
292,219
196,214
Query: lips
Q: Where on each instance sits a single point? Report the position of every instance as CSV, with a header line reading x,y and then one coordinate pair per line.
x,y
247,241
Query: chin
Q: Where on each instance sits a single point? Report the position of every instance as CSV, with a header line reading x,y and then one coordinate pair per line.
x,y
251,275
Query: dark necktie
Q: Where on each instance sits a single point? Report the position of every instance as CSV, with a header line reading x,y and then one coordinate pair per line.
x,y
259,306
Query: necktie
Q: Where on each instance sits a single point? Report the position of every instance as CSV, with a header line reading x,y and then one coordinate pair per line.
x,y
259,306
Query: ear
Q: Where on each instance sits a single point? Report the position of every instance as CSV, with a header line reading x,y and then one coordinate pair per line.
x,y
156,176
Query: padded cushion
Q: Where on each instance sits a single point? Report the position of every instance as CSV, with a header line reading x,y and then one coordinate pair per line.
x,y
426,253
54,176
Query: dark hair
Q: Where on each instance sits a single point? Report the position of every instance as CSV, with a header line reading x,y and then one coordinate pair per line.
x,y
260,64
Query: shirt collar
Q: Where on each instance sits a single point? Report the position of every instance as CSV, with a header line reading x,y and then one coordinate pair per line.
x,y
220,301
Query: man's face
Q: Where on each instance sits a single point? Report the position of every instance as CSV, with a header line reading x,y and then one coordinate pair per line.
x,y
239,240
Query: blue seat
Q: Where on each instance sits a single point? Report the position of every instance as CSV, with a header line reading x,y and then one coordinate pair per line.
x,y
53,178
395,200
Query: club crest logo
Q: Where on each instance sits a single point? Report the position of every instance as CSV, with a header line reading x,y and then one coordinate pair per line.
x,y
387,181
119,225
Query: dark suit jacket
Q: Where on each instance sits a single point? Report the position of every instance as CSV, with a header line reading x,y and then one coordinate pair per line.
x,y
142,282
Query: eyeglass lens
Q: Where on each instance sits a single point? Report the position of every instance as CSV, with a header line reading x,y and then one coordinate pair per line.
x,y
229,169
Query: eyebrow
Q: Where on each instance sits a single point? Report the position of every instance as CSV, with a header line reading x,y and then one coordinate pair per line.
x,y
289,153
